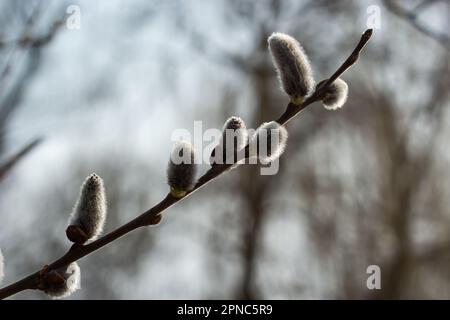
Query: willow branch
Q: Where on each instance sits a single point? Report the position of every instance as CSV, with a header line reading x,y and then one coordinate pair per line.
x,y
147,218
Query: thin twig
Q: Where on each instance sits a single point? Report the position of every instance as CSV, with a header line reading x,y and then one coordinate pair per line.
x,y
11,162
29,41
77,252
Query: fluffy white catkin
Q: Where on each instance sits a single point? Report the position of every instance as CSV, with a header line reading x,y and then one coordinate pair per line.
x,y
181,169
234,135
268,142
292,64
89,213
336,95
2,267
63,282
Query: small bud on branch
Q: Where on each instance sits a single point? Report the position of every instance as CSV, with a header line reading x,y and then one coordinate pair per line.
x,y
181,169
62,282
336,95
269,141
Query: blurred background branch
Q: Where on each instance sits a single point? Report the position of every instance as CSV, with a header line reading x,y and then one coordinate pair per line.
x,y
9,163
412,16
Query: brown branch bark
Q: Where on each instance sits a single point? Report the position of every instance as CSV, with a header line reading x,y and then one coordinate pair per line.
x,y
77,252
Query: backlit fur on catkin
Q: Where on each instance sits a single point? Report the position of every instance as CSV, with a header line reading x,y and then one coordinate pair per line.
x,y
336,95
62,282
269,141
293,67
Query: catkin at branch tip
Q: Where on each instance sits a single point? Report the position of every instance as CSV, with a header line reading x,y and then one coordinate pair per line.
x,y
2,267
336,95
181,169
293,67
62,282
89,213
268,142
